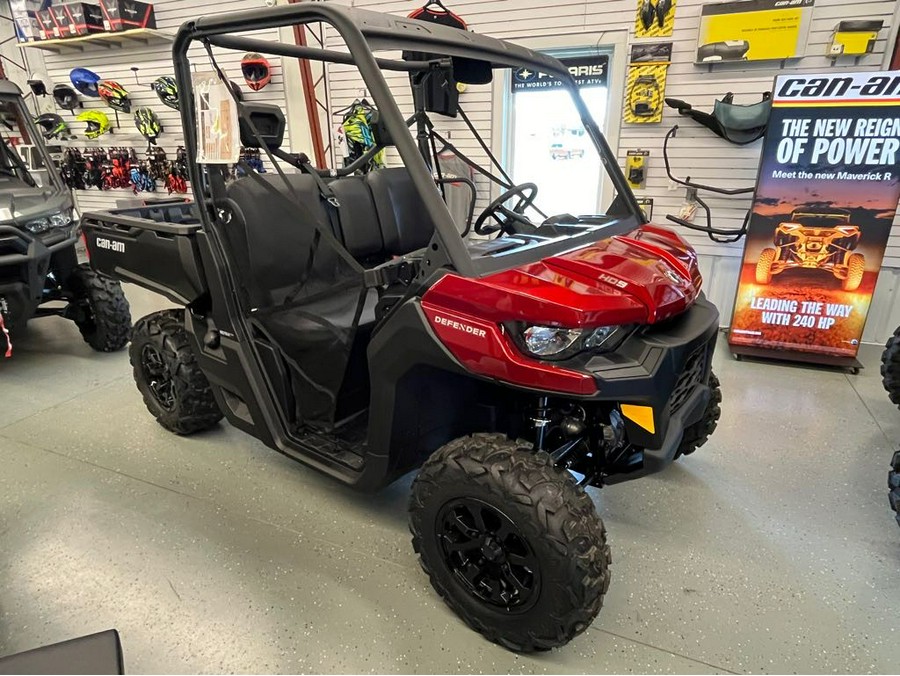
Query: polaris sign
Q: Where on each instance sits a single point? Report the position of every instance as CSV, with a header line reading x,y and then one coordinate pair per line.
x,y
588,71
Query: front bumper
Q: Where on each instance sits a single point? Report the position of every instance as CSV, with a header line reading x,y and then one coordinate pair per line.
x,y
24,263
664,368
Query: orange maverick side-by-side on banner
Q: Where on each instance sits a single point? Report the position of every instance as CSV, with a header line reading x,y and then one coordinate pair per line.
x,y
826,196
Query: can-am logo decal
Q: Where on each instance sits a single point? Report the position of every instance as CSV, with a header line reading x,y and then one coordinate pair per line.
x,y
110,245
460,326
837,87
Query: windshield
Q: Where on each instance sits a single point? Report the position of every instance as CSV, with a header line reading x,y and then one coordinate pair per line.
x,y
490,194
17,135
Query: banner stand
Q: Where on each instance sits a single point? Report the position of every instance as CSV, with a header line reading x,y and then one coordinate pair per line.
x,y
825,200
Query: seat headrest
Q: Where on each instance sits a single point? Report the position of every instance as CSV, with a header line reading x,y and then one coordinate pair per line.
x,y
269,122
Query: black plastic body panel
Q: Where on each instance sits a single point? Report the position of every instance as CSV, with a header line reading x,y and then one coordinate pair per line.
x,y
154,247
25,262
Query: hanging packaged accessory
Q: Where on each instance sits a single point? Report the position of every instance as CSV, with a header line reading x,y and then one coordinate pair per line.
x,y
854,38
645,89
636,168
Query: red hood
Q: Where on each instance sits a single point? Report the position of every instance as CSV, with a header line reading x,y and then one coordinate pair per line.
x,y
643,277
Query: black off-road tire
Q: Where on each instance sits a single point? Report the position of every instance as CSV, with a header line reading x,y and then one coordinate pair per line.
x,y
189,406
697,434
894,484
554,516
890,367
103,315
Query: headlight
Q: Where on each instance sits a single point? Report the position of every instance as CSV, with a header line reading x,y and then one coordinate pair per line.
x,y
547,341
552,342
45,223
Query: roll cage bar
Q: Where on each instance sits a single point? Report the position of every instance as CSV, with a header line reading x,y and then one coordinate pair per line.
x,y
363,31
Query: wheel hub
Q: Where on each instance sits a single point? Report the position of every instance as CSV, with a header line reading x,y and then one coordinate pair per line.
x,y
159,380
488,555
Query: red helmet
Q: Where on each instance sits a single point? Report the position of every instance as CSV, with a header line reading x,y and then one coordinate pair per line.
x,y
257,70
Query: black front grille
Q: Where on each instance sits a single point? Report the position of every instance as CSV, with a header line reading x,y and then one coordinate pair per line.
x,y
694,371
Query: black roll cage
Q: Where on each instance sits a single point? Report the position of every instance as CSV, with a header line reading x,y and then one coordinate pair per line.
x,y
364,31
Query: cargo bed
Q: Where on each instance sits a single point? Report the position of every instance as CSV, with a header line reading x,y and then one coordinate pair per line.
x,y
152,246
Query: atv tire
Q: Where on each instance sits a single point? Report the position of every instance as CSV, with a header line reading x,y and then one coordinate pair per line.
x,y
511,543
166,372
697,434
856,268
890,367
894,484
101,311
764,266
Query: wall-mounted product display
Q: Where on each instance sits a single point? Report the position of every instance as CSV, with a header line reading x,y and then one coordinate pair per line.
x,y
646,205
655,18
77,18
645,90
24,15
826,196
636,168
753,30
853,38
123,15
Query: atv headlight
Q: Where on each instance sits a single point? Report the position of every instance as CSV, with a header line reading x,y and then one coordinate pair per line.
x,y
45,223
548,341
552,342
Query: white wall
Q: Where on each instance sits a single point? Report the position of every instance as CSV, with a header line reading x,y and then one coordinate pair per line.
x,y
696,152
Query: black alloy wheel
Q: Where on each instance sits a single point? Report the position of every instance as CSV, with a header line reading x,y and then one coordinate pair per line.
x,y
488,555
158,378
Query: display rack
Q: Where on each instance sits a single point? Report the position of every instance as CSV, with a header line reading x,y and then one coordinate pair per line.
x,y
95,41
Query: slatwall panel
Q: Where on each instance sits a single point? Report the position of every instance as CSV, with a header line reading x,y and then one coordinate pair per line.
x,y
153,61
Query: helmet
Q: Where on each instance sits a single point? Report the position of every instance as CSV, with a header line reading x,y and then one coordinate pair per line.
x,y
115,95
148,124
167,91
85,81
52,126
40,84
97,123
65,97
257,71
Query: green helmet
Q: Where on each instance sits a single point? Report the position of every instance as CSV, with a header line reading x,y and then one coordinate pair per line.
x,y
52,126
97,123
167,90
148,124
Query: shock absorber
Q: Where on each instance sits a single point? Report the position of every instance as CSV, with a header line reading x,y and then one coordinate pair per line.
x,y
541,420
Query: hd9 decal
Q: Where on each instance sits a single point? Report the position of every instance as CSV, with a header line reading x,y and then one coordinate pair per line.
x,y
827,192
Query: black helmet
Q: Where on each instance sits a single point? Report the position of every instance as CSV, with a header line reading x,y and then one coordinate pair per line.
x,y
52,126
167,90
40,84
148,124
65,97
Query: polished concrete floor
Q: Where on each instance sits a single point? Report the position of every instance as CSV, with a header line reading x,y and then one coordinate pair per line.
x,y
770,550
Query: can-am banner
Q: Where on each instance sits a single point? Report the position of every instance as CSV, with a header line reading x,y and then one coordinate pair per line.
x,y
588,71
826,195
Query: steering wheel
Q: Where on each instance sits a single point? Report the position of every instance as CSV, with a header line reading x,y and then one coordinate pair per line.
x,y
503,215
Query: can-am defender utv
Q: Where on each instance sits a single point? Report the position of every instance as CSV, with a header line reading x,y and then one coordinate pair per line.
x,y
39,270
343,320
